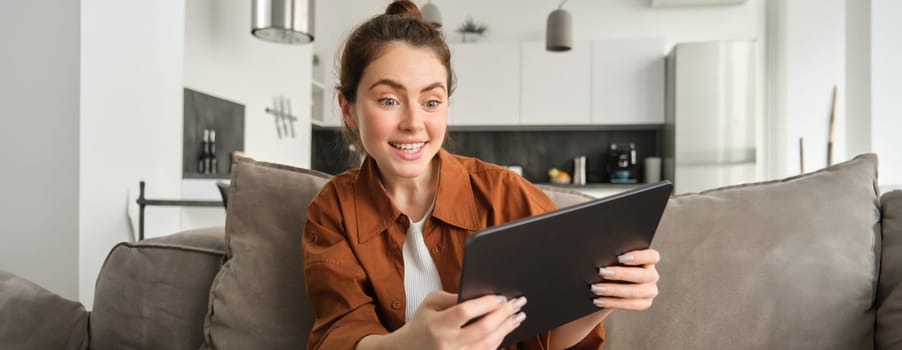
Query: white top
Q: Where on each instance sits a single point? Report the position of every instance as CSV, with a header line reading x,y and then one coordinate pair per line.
x,y
420,274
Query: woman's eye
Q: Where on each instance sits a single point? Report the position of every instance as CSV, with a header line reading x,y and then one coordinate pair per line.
x,y
433,103
388,102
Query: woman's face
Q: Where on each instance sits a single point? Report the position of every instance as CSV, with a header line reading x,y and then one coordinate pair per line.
x,y
401,112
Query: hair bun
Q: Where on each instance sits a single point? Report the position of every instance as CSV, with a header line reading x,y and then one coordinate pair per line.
x,y
404,8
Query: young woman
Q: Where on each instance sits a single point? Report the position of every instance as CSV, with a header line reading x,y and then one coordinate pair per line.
x,y
383,244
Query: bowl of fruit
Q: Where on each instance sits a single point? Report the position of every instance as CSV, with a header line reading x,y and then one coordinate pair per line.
x,y
558,176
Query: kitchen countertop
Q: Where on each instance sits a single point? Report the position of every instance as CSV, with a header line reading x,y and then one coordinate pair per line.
x,y
595,189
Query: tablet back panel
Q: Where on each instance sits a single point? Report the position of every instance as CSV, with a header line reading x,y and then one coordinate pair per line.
x,y
553,258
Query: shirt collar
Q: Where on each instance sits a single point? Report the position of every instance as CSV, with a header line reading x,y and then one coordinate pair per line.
x,y
455,203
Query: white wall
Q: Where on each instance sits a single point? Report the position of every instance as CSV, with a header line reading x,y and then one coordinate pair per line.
x,y
886,89
131,124
812,61
39,72
854,44
858,77
223,59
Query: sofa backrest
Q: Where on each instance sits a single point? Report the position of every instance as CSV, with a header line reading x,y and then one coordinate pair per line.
x,y
153,294
783,264
889,290
32,317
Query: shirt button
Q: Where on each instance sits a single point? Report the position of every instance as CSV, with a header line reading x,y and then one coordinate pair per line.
x,y
396,305
403,219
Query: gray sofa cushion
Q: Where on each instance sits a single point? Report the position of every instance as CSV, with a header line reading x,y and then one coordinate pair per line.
x,y
787,264
153,294
35,318
258,299
563,197
889,292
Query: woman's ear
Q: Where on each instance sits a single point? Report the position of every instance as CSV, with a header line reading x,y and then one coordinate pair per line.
x,y
347,111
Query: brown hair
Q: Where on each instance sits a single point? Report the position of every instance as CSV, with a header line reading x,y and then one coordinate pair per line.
x,y
401,22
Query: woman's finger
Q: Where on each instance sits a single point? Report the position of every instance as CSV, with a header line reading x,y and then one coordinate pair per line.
x,y
626,291
464,312
500,321
640,257
622,304
634,274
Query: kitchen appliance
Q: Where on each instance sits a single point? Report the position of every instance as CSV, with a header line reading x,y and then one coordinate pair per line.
x,y
709,138
621,165
283,21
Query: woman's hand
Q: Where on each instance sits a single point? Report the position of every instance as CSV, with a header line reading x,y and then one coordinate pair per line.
x,y
637,293
439,323
642,282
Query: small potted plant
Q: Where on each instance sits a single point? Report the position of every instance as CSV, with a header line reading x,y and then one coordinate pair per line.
x,y
470,30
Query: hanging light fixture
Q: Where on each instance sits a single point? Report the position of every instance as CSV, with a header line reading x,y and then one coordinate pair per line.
x,y
559,32
283,21
431,14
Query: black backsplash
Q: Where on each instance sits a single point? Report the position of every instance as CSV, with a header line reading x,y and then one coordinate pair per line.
x,y
535,149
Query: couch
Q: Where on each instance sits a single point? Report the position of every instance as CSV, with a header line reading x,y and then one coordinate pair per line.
x,y
808,262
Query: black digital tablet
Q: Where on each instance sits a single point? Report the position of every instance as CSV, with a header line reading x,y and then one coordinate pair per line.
x,y
553,258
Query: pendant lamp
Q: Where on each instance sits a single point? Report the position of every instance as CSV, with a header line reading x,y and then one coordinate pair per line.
x,y
559,31
431,14
283,21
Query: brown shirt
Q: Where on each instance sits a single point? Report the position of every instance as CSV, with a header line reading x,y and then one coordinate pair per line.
x,y
353,240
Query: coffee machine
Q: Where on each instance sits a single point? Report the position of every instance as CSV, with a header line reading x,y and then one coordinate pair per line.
x,y
621,165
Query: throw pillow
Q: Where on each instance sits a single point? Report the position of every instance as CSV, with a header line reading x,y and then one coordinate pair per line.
x,y
788,264
258,299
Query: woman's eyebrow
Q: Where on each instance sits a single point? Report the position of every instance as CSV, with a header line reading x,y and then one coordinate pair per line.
x,y
398,86
389,82
436,85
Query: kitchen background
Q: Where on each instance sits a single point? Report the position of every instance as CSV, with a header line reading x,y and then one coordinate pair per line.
x,y
533,151
112,101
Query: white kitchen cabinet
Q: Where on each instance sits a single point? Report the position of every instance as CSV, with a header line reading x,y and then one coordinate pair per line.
x,y
628,81
606,82
556,86
325,110
488,84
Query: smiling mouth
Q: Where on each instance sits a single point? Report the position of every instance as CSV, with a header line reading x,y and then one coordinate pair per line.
x,y
408,147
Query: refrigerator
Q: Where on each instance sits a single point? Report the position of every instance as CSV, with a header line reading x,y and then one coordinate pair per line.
x,y
709,137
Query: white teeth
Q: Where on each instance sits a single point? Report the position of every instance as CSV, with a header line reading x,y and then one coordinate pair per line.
x,y
408,147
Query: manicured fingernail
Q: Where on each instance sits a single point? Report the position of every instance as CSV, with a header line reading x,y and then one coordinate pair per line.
x,y
606,272
519,317
519,302
501,299
598,288
625,258
598,302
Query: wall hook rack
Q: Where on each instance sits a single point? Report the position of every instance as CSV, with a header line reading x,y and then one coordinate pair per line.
x,y
284,120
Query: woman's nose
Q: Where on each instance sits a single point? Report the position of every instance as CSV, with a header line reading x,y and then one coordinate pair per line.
x,y
412,118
